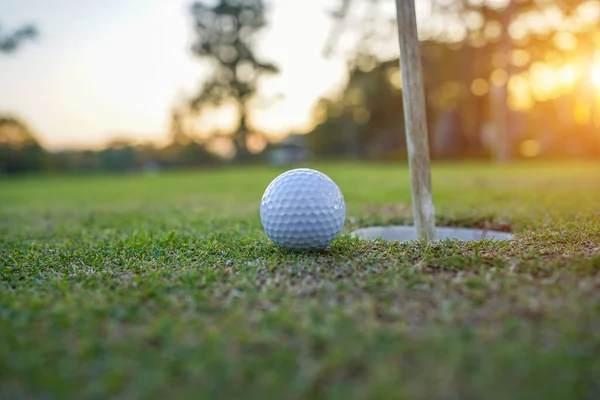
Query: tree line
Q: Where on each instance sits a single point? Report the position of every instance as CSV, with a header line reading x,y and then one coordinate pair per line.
x,y
503,80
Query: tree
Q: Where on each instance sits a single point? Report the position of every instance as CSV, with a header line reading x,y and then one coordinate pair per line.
x,y
225,35
499,40
365,118
535,28
19,149
118,156
9,42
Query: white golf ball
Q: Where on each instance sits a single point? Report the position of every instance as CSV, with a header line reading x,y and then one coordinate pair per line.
x,y
303,209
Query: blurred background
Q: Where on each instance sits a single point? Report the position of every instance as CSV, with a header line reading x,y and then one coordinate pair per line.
x,y
150,85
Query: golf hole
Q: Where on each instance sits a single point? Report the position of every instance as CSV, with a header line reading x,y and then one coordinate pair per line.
x,y
404,233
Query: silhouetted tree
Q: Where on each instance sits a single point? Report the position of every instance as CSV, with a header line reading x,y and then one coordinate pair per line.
x,y
225,32
490,40
19,149
365,118
119,155
536,27
9,42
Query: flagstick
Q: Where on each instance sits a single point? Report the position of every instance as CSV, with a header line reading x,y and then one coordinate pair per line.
x,y
415,120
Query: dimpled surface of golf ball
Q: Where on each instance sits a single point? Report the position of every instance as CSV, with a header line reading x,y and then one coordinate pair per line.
x,y
303,209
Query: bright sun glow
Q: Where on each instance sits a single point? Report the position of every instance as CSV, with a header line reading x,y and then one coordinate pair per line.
x,y
568,75
596,74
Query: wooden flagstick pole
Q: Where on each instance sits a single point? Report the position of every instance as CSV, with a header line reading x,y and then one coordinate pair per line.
x,y
415,120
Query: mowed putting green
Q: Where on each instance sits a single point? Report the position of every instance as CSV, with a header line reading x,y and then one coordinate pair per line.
x,y
165,286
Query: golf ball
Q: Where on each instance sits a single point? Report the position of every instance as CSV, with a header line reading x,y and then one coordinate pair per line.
x,y
303,209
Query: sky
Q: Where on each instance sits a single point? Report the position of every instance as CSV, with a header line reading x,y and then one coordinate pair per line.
x,y
113,69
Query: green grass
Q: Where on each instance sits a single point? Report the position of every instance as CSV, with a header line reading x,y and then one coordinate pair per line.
x,y
135,287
